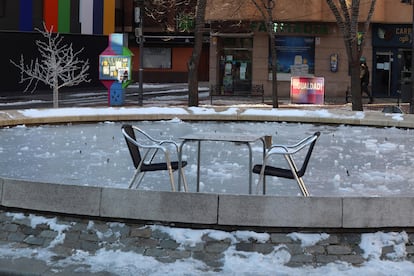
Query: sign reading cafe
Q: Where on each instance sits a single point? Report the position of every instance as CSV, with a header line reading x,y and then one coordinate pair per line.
x,y
391,35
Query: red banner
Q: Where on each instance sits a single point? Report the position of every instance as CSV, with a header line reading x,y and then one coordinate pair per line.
x,y
306,90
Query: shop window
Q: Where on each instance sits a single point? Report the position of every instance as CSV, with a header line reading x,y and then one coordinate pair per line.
x,y
157,58
295,55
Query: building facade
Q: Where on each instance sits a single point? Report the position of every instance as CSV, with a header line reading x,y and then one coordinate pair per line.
x,y
308,43
65,16
236,50
168,35
86,24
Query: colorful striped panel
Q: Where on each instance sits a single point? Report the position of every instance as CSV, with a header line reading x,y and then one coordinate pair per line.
x,y
37,14
86,16
64,16
98,16
69,16
109,17
75,26
26,15
50,14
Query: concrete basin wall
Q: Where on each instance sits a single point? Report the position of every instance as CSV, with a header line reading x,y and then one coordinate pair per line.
x,y
208,209
204,208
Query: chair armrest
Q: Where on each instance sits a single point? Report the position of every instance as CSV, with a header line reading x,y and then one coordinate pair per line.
x,y
161,142
292,149
158,141
152,139
146,146
278,149
149,137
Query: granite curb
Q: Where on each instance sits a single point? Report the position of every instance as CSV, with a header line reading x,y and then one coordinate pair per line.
x,y
331,115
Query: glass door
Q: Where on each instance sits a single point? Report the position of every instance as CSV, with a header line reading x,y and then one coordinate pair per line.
x,y
237,71
236,66
382,82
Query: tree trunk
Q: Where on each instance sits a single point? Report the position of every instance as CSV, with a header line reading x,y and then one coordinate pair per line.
x,y
356,86
194,61
347,20
265,7
411,111
275,101
354,57
55,96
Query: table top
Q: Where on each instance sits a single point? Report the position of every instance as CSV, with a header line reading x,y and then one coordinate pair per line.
x,y
222,136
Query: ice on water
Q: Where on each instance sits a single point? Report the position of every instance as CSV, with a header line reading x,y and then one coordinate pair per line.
x,y
347,160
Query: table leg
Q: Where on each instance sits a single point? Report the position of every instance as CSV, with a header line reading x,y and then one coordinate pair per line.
x,y
251,163
198,165
250,167
180,164
265,145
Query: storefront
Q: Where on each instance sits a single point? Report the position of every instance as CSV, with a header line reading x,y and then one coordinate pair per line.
x,y
241,57
391,68
165,58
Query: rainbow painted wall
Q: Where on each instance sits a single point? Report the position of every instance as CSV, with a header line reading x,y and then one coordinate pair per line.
x,y
66,16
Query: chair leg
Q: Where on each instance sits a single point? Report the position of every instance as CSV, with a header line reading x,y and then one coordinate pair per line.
x,y
261,179
298,179
170,172
302,187
141,177
184,180
134,177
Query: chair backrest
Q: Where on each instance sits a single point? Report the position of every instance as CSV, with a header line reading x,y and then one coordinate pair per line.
x,y
314,137
133,149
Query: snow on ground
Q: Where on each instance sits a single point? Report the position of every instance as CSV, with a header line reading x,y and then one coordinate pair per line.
x,y
235,262
63,112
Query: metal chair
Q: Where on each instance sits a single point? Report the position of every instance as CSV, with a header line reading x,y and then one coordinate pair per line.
x,y
150,148
292,173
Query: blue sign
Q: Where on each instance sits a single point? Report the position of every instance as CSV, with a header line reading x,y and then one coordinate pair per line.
x,y
295,54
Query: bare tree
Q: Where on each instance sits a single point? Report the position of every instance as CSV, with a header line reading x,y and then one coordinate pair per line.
x,y
178,15
347,14
265,7
59,65
195,57
166,12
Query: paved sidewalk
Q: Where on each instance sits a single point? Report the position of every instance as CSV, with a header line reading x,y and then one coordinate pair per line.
x,y
172,94
85,238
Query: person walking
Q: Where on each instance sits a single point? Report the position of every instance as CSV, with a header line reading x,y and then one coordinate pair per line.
x,y
364,77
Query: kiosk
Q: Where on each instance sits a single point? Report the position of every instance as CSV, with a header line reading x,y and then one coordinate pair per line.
x,y
115,68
